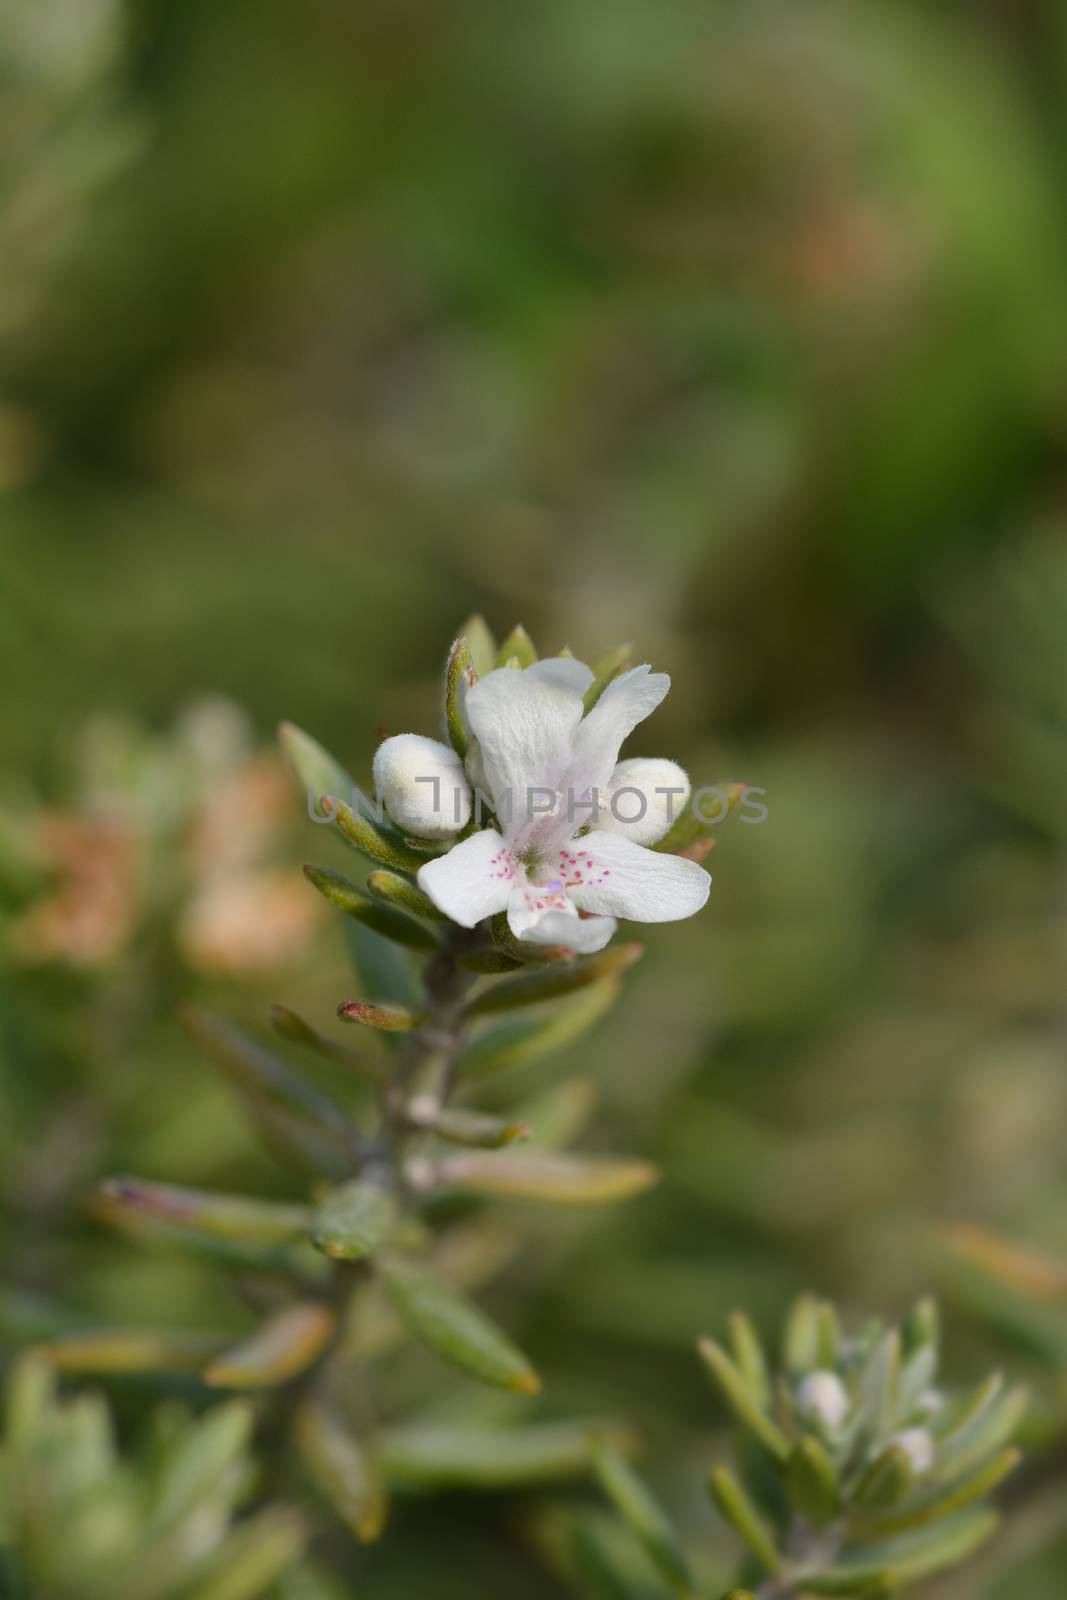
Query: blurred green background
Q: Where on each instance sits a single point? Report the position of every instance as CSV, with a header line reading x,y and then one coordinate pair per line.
x,y
735,330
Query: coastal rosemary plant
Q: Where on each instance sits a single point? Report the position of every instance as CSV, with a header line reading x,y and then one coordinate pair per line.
x,y
491,872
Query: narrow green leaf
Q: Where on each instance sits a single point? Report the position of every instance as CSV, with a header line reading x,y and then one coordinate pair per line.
x,y
986,1432
556,1179
128,1350
741,1512
859,1583
812,1482
394,889
749,1355
962,1495
521,1040
829,1337
643,1514
386,1018
886,1482
253,1557
317,772
262,1075
458,1126
294,1117
280,1349
519,645
342,1469
530,988
558,1115
922,1328
223,1216
354,1220
293,1028
800,1339
199,1461
383,919
879,1382
31,1388
450,1456
387,847
924,1552
454,1327
460,674
741,1400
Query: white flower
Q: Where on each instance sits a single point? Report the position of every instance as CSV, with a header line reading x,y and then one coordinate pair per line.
x,y
918,1446
423,785
548,769
822,1395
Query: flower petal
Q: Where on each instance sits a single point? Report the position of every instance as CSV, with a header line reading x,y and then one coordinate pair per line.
x,y
474,880
606,872
564,670
643,798
525,723
544,917
423,785
626,701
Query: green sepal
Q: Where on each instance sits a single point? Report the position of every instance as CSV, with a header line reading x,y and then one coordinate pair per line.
x,y
606,667
454,1327
488,963
519,645
460,674
481,643
741,1512
354,1220
643,1514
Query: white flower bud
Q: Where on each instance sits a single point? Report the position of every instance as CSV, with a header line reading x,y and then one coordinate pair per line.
x,y
643,798
423,786
918,1446
823,1396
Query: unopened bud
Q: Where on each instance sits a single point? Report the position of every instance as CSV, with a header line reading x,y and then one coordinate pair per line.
x,y
824,1397
423,786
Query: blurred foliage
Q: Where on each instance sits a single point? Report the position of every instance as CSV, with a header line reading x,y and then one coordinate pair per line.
x,y
735,330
